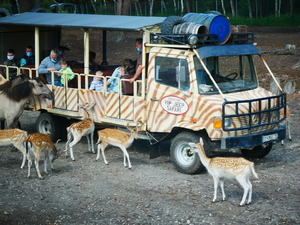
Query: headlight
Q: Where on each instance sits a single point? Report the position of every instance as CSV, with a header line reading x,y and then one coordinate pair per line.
x,y
218,122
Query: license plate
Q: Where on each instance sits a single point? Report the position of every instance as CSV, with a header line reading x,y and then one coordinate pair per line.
x,y
270,137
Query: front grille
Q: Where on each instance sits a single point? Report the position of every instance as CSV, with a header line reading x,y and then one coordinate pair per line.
x,y
254,116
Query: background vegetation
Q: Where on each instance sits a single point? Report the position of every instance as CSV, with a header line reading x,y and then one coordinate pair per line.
x,y
284,13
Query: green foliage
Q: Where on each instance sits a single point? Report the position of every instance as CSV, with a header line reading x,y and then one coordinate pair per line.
x,y
285,20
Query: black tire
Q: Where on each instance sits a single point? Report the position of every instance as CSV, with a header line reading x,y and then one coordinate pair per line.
x,y
48,124
169,23
38,10
184,160
258,151
213,12
4,12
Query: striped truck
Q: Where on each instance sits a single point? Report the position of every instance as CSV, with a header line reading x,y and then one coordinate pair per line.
x,y
191,86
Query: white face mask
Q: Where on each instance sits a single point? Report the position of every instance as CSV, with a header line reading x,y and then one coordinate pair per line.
x,y
10,57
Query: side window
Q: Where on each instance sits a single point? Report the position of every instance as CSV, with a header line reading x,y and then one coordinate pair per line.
x,y
172,72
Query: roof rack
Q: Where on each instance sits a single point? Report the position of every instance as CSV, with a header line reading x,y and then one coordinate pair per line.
x,y
203,39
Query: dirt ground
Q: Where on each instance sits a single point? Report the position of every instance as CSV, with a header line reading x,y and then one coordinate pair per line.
x,y
86,191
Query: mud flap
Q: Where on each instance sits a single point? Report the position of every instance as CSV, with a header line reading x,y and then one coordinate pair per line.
x,y
154,151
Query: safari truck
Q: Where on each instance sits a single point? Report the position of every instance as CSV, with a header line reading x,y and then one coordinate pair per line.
x,y
200,82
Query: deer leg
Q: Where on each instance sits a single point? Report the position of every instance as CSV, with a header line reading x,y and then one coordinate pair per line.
x,y
244,184
126,155
68,141
45,162
36,162
103,146
29,164
250,191
222,189
289,130
74,142
216,182
89,142
99,146
24,159
92,141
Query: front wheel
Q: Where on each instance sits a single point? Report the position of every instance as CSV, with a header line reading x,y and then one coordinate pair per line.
x,y
183,159
258,151
48,124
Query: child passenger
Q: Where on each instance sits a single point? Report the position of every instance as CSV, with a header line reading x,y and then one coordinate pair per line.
x,y
97,83
126,68
65,72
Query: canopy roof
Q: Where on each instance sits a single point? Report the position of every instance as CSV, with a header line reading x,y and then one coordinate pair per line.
x,y
105,22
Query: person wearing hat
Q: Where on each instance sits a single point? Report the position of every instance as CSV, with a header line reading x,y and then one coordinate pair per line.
x,y
97,83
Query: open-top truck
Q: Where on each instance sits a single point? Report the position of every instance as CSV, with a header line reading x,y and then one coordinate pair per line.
x,y
192,85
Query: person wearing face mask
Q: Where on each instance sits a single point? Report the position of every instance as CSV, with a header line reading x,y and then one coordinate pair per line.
x,y
11,61
61,50
28,58
139,66
49,64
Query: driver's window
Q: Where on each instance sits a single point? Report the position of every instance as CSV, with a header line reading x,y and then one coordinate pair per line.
x,y
172,72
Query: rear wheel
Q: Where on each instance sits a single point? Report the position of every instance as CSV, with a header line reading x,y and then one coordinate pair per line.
x,y
48,124
4,12
183,159
258,151
38,10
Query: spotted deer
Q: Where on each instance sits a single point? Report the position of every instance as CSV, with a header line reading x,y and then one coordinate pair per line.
x,y
85,127
38,143
116,138
227,167
16,138
286,121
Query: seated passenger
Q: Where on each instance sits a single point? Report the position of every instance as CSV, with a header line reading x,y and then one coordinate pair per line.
x,y
126,68
28,57
97,83
66,73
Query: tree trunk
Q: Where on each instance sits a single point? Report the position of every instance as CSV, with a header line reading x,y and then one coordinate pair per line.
x,y
126,7
25,6
250,9
151,2
94,7
119,7
232,8
188,9
223,7
291,7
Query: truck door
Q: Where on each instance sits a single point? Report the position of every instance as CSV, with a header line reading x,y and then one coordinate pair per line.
x,y
169,96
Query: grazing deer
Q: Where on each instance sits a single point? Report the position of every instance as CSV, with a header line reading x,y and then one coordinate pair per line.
x,y
85,127
116,138
227,167
287,121
16,138
36,143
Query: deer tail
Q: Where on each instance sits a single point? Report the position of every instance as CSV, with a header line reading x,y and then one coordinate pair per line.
x,y
253,171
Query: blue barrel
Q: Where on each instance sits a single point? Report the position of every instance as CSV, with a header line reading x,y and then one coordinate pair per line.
x,y
215,24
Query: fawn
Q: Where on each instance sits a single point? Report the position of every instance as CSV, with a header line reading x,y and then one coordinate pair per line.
x,y
36,143
227,167
85,127
116,138
16,138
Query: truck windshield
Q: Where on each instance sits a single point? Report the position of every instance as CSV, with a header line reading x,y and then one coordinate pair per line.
x,y
231,73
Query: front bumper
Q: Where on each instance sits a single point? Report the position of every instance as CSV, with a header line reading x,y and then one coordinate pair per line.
x,y
253,140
